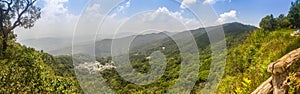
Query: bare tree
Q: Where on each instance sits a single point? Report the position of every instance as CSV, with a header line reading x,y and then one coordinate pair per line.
x,y
16,13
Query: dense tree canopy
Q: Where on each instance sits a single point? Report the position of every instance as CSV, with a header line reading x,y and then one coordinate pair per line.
x,y
282,21
24,70
268,23
294,14
15,13
292,20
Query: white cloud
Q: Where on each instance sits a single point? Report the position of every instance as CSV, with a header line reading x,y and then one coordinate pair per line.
x,y
161,19
209,1
121,9
176,15
53,8
55,21
228,16
92,12
164,10
186,3
93,8
213,1
89,23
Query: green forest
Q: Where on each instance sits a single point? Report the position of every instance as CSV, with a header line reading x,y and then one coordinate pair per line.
x,y
250,51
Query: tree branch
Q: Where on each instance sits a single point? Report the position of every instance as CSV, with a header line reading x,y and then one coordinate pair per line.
x,y
18,21
8,6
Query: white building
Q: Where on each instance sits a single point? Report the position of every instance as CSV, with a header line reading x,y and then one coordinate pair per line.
x,y
94,67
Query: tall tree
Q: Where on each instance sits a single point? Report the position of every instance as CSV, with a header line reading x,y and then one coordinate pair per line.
x,y
16,13
268,23
294,14
282,21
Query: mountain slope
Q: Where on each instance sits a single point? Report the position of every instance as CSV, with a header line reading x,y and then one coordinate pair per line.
x,y
247,63
233,31
138,59
47,44
24,70
103,47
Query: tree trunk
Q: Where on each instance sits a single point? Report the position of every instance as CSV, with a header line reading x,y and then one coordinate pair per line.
x,y
4,46
4,42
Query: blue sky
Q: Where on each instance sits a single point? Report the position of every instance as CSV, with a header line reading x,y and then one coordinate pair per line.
x,y
64,16
251,11
248,11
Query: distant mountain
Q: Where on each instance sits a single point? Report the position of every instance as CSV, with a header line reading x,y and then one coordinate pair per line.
x,y
52,43
235,33
154,41
103,47
141,58
47,44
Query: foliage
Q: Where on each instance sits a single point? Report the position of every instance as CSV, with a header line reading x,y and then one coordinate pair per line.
x,y
246,85
268,23
16,13
236,33
294,14
292,20
282,22
294,86
63,66
24,70
250,59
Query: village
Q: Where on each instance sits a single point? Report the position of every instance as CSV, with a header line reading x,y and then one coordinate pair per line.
x,y
94,67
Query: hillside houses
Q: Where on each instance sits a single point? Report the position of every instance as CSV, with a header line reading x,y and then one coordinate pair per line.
x,y
96,66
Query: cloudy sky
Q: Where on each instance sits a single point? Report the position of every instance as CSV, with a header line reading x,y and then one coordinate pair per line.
x,y
87,18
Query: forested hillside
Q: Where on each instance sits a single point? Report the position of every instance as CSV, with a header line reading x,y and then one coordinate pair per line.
x,y
236,33
103,47
247,64
56,74
250,51
24,70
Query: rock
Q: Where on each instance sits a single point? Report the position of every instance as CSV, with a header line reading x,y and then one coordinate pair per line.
x,y
279,82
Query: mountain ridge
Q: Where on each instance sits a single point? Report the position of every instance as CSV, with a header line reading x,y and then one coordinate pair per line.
x,y
103,47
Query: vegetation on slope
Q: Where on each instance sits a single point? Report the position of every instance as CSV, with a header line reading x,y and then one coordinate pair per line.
x,y
24,70
235,34
249,61
247,64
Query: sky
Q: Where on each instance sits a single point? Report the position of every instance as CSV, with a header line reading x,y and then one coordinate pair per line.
x,y
107,18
